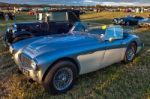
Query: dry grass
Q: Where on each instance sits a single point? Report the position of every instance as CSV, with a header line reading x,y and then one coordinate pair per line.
x,y
119,81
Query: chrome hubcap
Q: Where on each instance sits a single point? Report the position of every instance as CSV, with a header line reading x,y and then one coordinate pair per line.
x,y
63,78
130,54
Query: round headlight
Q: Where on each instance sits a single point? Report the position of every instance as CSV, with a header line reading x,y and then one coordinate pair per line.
x,y
33,65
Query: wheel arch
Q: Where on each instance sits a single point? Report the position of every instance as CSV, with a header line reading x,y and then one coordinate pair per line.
x,y
62,59
135,42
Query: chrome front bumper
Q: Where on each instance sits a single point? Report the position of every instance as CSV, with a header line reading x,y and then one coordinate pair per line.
x,y
29,72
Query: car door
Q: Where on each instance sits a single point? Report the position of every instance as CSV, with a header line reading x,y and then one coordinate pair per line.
x,y
92,53
92,60
115,48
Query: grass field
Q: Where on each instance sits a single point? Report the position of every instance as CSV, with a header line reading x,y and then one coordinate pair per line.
x,y
119,81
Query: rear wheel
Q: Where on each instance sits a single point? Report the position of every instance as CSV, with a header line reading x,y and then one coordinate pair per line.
x,y
130,52
61,77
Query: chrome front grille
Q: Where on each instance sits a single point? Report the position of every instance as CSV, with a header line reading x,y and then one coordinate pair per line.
x,y
25,61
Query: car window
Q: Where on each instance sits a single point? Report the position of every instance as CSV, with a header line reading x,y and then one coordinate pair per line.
x,y
115,32
58,16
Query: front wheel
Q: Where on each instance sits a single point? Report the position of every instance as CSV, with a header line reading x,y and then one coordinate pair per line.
x,y
61,77
130,53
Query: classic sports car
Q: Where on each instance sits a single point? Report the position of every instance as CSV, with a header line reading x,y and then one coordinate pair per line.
x,y
128,20
144,23
55,22
56,61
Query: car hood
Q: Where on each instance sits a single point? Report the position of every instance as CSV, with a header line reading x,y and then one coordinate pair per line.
x,y
58,43
21,44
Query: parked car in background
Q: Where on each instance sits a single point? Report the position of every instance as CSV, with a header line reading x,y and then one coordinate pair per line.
x,y
7,16
11,15
52,22
31,13
2,16
144,23
24,9
56,61
128,20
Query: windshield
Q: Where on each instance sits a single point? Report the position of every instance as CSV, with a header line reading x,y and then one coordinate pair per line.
x,y
107,31
115,32
53,16
83,27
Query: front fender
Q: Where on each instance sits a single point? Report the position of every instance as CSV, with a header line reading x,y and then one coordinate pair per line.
x,y
17,34
47,65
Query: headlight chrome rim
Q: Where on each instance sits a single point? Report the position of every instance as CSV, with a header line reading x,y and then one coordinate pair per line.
x,y
33,65
11,49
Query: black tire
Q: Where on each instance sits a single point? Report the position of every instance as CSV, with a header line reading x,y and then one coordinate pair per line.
x,y
130,52
49,80
128,24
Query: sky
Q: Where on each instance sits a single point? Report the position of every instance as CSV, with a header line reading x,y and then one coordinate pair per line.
x,y
83,2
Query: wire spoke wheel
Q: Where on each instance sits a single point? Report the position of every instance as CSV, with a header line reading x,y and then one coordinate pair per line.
x,y
130,54
63,78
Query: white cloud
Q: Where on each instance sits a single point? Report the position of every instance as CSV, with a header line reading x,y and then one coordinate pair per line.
x,y
91,2
85,2
119,3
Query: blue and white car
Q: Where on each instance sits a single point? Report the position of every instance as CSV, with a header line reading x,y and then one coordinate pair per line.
x,y
55,61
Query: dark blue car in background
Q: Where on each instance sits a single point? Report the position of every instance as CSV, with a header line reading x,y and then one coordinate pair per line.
x,y
128,20
51,22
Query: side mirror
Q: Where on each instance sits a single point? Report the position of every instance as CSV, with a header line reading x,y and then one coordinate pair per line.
x,y
111,39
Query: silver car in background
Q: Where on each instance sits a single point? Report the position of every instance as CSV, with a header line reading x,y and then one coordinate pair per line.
x,y
144,23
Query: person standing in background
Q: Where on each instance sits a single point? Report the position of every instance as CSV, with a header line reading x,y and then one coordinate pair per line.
x,y
14,10
6,17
